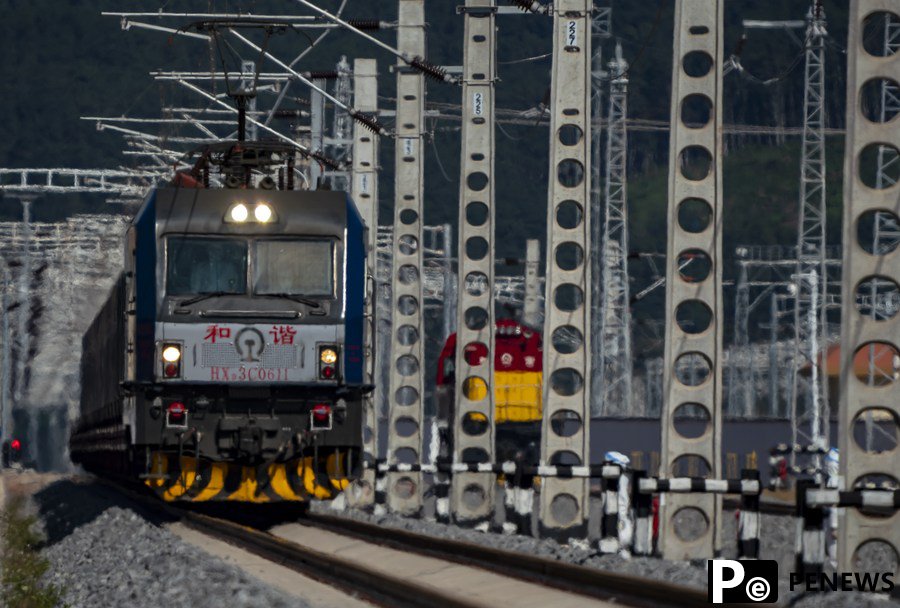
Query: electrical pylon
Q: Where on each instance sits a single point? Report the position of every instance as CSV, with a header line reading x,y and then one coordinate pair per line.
x,y
809,425
615,318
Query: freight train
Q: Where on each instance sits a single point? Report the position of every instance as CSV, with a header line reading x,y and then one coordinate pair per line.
x,y
227,362
518,402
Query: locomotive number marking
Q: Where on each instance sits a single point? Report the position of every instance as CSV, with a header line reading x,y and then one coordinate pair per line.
x,y
247,374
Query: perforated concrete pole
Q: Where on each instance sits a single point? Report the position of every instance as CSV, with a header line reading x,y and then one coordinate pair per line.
x,y
316,130
693,351
862,328
404,490
564,433
471,495
364,190
531,311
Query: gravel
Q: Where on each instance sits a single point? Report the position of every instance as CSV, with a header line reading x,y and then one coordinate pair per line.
x,y
104,551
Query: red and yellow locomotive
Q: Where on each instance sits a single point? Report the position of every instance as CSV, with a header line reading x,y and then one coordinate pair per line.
x,y
518,380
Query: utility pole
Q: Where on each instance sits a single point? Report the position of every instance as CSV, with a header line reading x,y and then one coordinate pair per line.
x,y
450,283
341,141
565,432
407,388
316,131
615,316
364,190
23,337
471,495
6,362
809,426
860,330
695,172
600,30
531,311
248,75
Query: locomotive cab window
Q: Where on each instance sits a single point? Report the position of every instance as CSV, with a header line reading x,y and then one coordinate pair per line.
x,y
205,265
302,268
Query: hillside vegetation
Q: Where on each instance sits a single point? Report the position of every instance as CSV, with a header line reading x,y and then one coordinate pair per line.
x,y
63,60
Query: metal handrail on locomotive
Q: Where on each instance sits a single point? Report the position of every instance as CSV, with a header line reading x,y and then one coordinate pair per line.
x,y
227,362
518,402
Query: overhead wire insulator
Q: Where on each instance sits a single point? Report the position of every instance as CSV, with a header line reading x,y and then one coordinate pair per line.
x,y
530,6
370,121
432,71
327,161
321,75
366,25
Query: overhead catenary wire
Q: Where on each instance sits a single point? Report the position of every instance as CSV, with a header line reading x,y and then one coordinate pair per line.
x,y
303,149
368,121
281,96
434,71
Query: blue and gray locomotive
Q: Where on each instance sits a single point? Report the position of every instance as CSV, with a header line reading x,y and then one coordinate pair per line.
x,y
227,363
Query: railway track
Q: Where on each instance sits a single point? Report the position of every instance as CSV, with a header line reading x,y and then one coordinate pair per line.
x,y
394,567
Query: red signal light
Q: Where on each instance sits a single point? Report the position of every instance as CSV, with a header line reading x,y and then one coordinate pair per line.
x,y
321,412
171,370
176,410
16,444
327,372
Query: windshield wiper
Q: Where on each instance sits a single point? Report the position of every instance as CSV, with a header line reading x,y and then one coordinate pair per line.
x,y
205,296
290,296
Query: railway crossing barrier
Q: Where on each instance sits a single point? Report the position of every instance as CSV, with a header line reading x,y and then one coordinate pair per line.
x,y
812,502
748,486
623,490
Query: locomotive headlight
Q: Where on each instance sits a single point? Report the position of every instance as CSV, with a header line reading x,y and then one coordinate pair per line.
x,y
171,353
262,213
328,356
239,213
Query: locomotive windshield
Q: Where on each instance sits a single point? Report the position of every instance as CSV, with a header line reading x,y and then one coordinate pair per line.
x,y
206,265
303,268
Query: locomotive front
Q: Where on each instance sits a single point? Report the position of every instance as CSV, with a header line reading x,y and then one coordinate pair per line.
x,y
227,363
248,314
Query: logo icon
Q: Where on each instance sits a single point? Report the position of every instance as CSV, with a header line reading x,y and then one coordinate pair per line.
x,y
732,581
249,344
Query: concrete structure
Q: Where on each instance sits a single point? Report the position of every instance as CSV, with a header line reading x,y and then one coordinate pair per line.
x,y
861,260
404,491
471,496
695,188
565,437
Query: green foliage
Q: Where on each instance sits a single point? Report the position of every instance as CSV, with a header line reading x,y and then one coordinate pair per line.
x,y
21,563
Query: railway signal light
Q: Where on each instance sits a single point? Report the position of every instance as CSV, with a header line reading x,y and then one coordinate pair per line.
x,y
12,452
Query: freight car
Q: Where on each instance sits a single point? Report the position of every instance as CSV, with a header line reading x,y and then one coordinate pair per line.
x,y
227,363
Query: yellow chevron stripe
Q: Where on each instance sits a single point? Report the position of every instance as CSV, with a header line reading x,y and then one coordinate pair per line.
x,y
279,482
305,470
185,480
335,472
247,490
216,482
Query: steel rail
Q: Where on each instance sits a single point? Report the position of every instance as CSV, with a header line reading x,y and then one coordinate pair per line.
x,y
593,582
342,573
626,589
